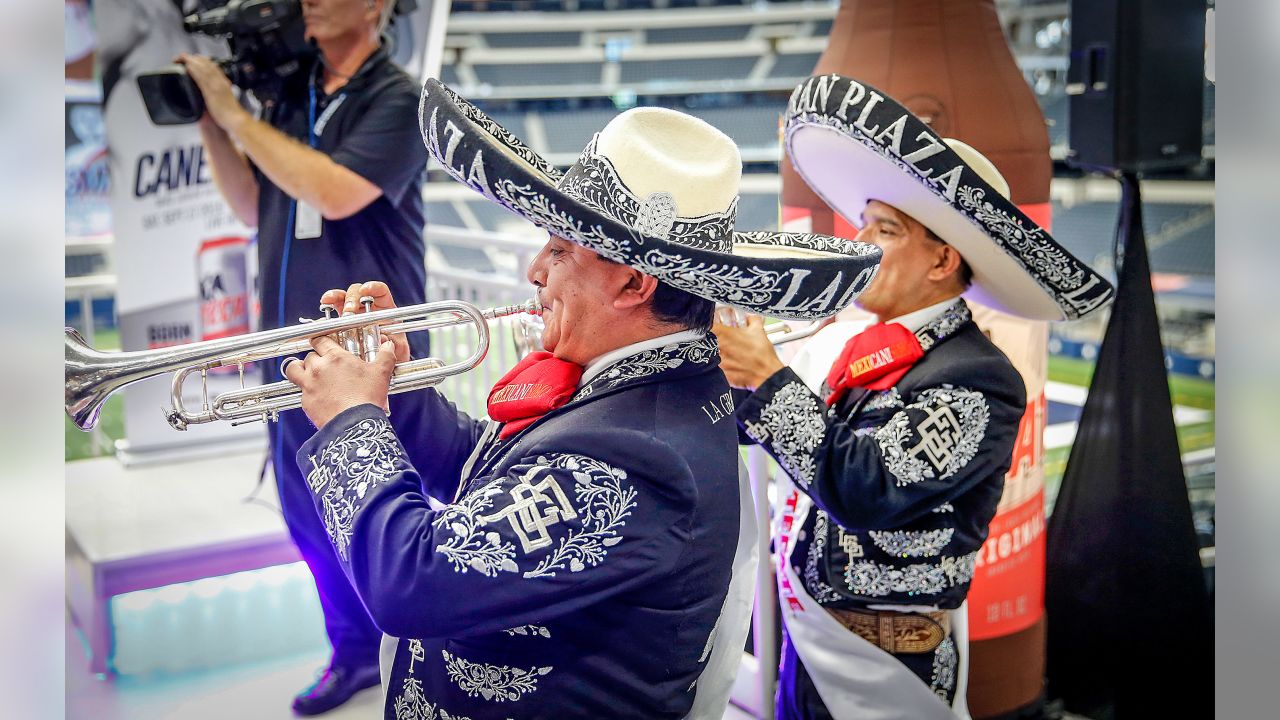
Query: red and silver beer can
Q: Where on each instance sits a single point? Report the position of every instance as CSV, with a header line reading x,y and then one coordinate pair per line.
x,y
222,272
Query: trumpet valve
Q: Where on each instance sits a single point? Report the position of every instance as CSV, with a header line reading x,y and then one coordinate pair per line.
x,y
370,334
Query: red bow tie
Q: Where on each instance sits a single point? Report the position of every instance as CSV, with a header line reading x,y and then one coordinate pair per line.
x,y
875,359
537,385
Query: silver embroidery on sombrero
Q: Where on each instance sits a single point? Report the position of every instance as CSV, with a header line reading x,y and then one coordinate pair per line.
x,y
541,210
732,284
734,281
1028,244
1057,272
806,241
501,134
594,181
657,214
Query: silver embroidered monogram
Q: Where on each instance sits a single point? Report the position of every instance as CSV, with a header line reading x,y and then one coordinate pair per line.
x,y
534,508
946,438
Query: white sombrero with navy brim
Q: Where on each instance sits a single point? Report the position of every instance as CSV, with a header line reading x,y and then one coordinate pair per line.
x,y
656,190
852,143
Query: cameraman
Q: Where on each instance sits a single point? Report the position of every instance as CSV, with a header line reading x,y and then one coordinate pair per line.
x,y
331,176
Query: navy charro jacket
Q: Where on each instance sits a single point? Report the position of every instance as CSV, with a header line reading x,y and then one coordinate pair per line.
x,y
905,481
581,567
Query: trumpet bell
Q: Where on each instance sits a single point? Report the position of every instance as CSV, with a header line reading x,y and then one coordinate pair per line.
x,y
88,380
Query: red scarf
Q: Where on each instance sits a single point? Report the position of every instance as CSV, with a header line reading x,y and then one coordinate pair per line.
x,y
537,385
875,359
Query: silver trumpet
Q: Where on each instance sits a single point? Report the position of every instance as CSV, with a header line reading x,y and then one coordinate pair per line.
x,y
779,332
92,376
526,331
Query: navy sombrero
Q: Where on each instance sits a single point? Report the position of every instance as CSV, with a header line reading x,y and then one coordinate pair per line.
x,y
852,143
657,190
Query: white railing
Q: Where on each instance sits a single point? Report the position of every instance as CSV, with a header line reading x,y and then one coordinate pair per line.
x,y
470,391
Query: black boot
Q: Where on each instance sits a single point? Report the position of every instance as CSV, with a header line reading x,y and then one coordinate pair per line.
x,y
336,685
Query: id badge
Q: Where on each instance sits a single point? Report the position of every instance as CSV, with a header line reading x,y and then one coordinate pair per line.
x,y
307,222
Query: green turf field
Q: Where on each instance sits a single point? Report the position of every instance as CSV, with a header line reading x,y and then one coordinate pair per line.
x,y
80,445
1188,391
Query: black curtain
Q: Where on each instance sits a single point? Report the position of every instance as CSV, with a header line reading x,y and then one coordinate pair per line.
x,y
1129,618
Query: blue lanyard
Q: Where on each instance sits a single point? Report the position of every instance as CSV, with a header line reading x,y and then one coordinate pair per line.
x,y
293,203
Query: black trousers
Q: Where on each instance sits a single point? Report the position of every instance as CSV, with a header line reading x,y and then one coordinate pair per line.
x,y
352,634
798,698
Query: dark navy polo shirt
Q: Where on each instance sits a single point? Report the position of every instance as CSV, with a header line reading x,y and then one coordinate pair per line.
x,y
370,126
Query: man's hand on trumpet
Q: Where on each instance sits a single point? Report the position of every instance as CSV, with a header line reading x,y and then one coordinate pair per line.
x,y
333,380
348,302
747,357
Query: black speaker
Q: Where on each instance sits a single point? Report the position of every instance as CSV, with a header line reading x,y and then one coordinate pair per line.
x,y
1136,83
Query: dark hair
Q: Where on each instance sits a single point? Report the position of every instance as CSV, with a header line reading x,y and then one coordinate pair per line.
x,y
965,272
673,305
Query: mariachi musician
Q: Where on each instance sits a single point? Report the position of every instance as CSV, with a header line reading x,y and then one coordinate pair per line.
x,y
895,453
577,553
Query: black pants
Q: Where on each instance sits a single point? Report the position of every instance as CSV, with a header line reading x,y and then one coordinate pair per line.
x,y
798,698
354,637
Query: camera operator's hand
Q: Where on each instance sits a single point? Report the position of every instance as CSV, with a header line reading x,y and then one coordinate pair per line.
x,y
220,101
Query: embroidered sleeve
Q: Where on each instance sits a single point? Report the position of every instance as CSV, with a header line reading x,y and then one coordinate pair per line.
x,y
790,422
932,449
555,531
364,455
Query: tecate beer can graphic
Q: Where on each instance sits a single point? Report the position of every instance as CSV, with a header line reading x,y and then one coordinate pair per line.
x,y
223,274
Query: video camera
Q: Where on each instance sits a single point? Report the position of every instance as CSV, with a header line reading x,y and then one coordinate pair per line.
x,y
266,39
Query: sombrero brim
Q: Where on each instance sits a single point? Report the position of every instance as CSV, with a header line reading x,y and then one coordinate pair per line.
x,y
787,275
852,143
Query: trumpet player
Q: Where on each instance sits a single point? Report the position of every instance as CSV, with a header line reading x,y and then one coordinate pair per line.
x,y
575,558
896,444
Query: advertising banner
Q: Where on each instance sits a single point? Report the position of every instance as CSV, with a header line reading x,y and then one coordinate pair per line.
x,y
88,209
181,256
